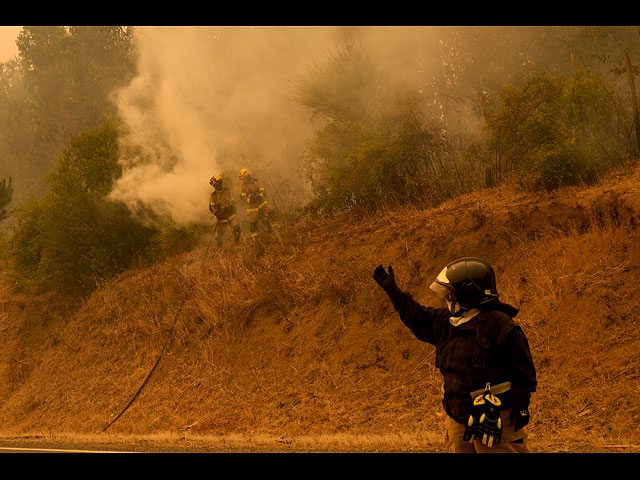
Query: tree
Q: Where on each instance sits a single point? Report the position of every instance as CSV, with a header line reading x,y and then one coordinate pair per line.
x,y
608,51
75,237
556,131
6,193
374,145
59,85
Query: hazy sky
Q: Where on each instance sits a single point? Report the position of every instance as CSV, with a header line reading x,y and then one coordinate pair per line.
x,y
8,46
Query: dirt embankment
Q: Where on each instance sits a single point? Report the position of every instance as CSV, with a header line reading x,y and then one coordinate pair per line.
x,y
299,340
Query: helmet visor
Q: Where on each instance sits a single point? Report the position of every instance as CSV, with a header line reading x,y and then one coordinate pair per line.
x,y
441,285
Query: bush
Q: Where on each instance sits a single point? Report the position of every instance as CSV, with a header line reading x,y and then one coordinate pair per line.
x,y
559,166
374,146
395,157
74,237
173,239
555,131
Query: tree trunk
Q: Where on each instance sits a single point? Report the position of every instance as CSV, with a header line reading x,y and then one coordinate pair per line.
x,y
483,105
634,101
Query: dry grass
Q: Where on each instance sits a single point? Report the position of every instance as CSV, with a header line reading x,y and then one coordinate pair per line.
x,y
292,346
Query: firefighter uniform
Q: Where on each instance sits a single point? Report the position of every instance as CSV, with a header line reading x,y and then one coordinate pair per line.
x,y
258,208
479,351
220,204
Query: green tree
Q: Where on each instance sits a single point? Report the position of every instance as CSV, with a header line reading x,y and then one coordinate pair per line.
x,y
555,131
59,85
75,237
373,144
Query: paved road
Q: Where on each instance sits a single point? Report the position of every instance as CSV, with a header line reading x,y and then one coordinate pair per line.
x,y
50,450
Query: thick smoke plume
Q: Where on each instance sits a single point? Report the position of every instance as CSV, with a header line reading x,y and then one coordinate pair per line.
x,y
211,101
207,100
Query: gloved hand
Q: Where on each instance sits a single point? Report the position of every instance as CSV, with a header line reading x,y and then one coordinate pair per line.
x,y
490,426
384,279
519,417
484,422
471,432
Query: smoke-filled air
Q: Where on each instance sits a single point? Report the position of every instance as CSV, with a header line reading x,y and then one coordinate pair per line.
x,y
320,238
125,126
206,100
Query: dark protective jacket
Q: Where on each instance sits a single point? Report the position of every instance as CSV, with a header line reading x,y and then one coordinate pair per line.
x,y
490,347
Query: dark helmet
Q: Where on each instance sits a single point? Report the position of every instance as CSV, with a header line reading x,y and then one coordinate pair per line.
x,y
469,282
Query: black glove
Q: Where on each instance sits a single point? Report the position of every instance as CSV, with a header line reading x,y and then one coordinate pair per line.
x,y
386,280
519,417
484,422
490,427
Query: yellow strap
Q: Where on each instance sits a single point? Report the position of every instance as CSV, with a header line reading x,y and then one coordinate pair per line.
x,y
252,209
262,204
495,389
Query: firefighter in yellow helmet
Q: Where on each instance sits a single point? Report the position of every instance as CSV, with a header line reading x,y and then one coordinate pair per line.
x,y
257,207
220,204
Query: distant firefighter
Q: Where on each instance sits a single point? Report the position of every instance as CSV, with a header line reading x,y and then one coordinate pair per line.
x,y
482,353
257,207
220,204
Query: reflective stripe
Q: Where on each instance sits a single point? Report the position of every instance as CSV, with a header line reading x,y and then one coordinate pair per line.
x,y
254,234
495,389
262,204
223,221
252,209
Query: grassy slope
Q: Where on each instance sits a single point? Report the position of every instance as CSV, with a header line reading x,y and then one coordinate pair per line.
x,y
300,340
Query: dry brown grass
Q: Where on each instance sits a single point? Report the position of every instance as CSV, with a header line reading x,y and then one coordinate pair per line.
x,y
293,346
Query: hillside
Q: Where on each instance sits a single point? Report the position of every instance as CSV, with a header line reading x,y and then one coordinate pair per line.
x,y
299,342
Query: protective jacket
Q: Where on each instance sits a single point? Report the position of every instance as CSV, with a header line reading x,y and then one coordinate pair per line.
x,y
253,191
489,348
220,204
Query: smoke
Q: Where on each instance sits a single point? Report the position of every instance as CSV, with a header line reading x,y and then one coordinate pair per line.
x,y
207,100
212,100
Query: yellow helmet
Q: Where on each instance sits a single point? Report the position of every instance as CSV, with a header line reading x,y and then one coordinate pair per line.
x,y
245,172
215,180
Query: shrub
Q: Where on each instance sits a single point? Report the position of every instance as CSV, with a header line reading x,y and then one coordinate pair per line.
x,y
394,157
74,237
555,131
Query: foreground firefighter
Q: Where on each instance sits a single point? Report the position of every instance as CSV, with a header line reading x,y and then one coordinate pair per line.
x,y
482,353
258,209
221,206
